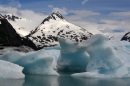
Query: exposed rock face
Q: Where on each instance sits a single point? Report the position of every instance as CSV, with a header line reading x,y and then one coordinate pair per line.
x,y
9,37
126,37
11,17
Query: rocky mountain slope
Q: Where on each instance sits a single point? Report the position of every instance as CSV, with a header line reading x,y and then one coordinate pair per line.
x,y
55,26
9,37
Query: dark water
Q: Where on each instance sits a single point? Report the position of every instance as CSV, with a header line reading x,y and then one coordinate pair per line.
x,y
63,80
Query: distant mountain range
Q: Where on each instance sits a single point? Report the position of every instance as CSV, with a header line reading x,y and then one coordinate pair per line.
x,y
16,31
48,31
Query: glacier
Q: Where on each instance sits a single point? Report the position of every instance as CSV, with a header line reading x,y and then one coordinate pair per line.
x,y
9,70
38,62
108,58
72,58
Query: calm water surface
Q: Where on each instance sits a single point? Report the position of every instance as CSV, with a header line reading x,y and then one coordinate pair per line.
x,y
63,80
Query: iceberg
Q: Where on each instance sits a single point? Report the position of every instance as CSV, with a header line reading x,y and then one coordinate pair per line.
x,y
108,59
38,62
54,53
72,57
11,56
97,57
9,70
53,48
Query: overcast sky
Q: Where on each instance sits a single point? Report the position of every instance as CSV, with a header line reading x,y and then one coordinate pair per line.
x,y
107,16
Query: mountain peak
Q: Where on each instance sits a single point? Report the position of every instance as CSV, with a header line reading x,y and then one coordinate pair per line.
x,y
57,14
53,27
54,16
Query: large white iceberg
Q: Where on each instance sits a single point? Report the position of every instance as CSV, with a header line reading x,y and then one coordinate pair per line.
x,y
72,57
108,59
10,70
39,62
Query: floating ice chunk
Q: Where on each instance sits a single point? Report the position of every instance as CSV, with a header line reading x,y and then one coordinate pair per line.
x,y
39,62
103,56
10,70
108,59
72,57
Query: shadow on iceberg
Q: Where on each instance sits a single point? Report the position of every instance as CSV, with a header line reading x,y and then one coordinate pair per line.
x,y
72,57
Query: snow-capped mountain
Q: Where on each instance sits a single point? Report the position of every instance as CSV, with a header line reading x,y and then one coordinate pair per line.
x,y
22,25
126,37
9,36
7,32
55,26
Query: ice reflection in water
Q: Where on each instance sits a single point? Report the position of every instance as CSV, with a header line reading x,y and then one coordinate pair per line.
x,y
11,82
64,80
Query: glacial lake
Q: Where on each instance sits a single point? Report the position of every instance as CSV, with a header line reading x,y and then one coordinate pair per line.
x,y
63,80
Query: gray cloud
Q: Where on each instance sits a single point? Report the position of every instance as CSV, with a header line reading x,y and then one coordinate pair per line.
x,y
125,14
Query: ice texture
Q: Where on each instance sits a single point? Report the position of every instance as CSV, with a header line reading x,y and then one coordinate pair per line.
x,y
9,70
108,59
53,48
38,62
72,57
55,55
